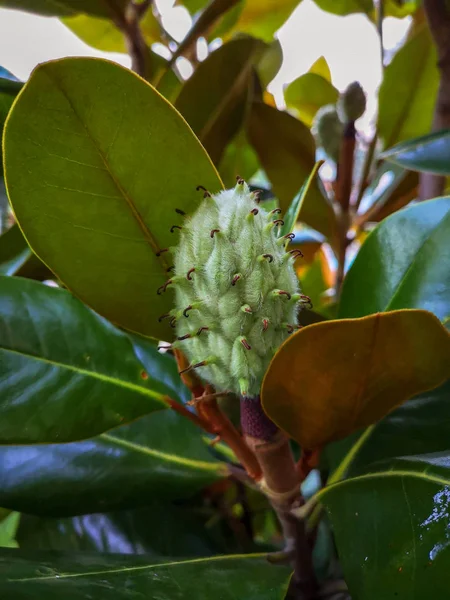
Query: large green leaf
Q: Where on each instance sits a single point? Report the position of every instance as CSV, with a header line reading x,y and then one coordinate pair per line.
x,y
105,578
14,251
392,8
240,159
161,456
262,18
159,529
96,163
419,426
332,378
408,92
398,516
308,93
214,99
404,263
286,150
9,88
67,374
104,34
57,8
429,153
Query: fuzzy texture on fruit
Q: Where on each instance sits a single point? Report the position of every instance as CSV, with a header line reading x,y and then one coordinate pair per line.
x,y
352,103
236,290
328,131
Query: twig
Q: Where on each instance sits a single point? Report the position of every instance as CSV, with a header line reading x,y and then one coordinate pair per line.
x,y
129,24
344,182
362,184
281,484
438,17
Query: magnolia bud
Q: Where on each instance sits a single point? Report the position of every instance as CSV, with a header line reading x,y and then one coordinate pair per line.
x,y
352,103
328,130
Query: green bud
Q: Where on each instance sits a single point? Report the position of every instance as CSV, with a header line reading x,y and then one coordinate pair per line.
x,y
352,103
328,131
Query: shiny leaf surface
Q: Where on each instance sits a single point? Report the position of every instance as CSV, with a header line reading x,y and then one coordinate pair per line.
x,y
100,148
106,578
404,263
213,100
398,514
430,153
159,457
412,79
67,374
332,378
286,150
308,93
159,529
419,426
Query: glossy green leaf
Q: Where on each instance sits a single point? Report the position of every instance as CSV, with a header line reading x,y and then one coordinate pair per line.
x,y
67,374
104,34
286,150
8,529
308,93
14,251
106,578
430,153
159,529
302,209
404,263
8,92
107,162
213,100
159,457
412,79
57,8
419,426
398,516
332,378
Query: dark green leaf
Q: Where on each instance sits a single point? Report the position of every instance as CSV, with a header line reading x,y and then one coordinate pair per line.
x,y
14,251
118,578
308,93
9,88
429,153
240,159
67,374
404,263
398,516
107,162
346,7
419,426
412,79
214,99
270,63
332,378
161,456
159,529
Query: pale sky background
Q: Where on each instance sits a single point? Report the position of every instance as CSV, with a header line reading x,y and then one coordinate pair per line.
x,y
350,44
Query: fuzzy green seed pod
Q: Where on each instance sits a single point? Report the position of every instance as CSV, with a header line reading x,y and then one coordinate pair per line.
x,y
328,131
236,290
352,103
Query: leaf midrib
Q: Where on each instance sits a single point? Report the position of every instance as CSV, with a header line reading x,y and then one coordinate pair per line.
x,y
147,567
131,205
93,374
422,475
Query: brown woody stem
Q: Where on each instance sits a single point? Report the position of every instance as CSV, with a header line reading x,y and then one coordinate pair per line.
x,y
438,17
344,180
281,485
129,24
